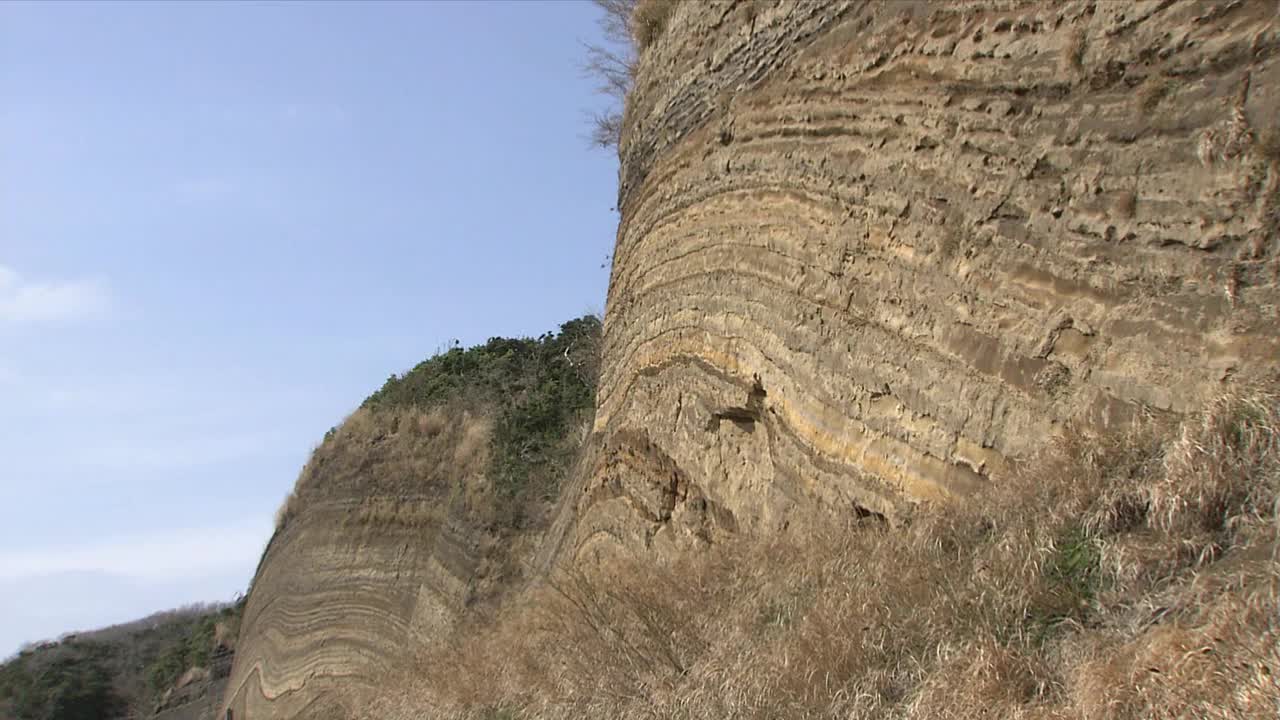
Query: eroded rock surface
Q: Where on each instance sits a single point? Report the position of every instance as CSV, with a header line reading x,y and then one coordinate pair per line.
x,y
377,553
424,507
870,254
874,253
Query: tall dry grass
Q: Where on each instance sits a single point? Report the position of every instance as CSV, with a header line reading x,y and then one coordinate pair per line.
x,y
649,18
1122,577
403,462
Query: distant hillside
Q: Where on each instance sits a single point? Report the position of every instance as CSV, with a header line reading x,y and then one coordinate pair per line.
x,y
133,670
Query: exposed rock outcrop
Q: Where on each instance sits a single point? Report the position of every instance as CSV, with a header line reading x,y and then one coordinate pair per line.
x,y
871,254
874,253
421,508
370,558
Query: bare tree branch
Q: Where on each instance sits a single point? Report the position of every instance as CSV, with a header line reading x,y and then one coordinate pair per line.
x,y
612,64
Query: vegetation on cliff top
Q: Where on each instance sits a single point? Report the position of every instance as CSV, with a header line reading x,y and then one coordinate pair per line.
x,y
540,387
511,410
195,647
120,671
1129,576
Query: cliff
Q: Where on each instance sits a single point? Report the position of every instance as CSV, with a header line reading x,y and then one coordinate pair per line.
x,y
873,258
421,508
876,253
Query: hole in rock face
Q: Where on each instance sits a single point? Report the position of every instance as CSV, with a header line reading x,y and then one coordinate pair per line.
x,y
744,416
755,398
866,515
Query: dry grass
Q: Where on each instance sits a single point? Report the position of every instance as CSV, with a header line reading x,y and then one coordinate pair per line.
x,y
649,20
405,463
1122,577
285,512
385,512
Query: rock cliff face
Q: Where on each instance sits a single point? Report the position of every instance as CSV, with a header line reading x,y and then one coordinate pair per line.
x,y
372,556
421,508
871,254
875,253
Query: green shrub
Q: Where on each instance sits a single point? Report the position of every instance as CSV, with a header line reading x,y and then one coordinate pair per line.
x,y
540,389
114,672
1074,565
71,683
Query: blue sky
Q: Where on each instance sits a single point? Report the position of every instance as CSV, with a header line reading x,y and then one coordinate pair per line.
x,y
221,226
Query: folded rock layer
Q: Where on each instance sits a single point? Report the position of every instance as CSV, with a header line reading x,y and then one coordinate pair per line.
x,y
870,254
875,253
376,553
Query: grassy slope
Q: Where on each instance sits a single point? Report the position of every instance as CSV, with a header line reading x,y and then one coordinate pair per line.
x,y
1129,576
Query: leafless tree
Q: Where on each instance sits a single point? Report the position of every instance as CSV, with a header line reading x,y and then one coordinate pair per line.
x,y
612,64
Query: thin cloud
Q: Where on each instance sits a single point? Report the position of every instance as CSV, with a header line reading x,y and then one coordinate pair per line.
x,y
178,451
161,557
24,301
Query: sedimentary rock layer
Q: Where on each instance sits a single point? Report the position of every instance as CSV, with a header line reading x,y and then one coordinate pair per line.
x,y
424,507
873,253
376,554
337,609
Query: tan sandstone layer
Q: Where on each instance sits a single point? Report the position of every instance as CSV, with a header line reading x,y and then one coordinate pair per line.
x,y
378,551
875,253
